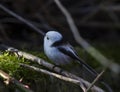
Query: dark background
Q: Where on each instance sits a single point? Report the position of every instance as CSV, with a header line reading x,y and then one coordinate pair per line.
x,y
98,22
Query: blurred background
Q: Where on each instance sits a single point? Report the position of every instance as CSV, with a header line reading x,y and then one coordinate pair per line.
x,y
98,22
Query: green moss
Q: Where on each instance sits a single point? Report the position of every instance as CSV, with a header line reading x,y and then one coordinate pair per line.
x,y
40,82
9,63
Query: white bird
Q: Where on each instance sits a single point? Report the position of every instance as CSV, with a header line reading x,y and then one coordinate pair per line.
x,y
61,52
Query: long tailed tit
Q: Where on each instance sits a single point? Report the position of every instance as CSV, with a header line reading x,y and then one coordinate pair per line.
x,y
62,53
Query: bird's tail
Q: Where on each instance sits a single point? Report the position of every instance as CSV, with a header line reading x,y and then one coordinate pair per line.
x,y
94,74
106,86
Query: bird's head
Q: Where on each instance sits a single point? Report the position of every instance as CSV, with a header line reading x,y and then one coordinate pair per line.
x,y
52,37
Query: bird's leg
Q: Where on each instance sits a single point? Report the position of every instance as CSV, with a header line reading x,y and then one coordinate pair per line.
x,y
55,66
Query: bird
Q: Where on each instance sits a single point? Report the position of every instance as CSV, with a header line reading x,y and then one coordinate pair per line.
x,y
61,53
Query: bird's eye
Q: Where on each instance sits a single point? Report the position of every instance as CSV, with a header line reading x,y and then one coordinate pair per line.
x,y
47,38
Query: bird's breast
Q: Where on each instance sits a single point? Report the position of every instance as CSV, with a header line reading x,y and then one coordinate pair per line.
x,y
56,56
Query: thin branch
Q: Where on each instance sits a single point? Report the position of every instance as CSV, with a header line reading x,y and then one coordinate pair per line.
x,y
90,49
21,19
52,74
13,20
8,79
95,80
83,83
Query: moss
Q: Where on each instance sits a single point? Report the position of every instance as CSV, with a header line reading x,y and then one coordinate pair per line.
x,y
36,81
44,83
9,63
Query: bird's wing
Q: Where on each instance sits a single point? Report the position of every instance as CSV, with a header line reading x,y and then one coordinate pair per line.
x,y
68,50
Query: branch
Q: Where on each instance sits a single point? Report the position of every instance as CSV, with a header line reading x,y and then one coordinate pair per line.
x,y
83,83
90,49
9,79
95,80
21,19
52,74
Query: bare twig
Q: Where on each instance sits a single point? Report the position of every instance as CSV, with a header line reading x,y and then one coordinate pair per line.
x,y
83,83
95,80
21,19
90,49
52,74
8,79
